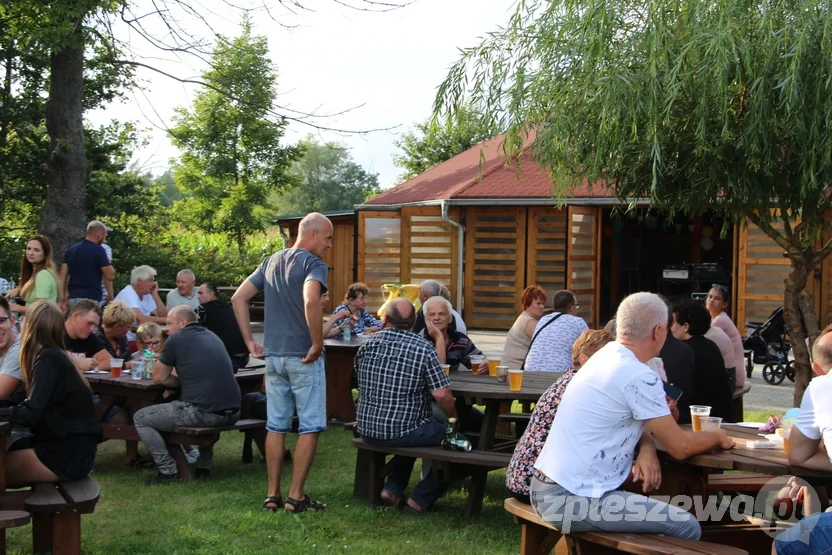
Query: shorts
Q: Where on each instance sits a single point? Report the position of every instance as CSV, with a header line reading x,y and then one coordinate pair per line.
x,y
113,411
69,459
292,386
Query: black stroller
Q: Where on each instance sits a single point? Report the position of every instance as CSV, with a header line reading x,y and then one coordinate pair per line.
x,y
766,344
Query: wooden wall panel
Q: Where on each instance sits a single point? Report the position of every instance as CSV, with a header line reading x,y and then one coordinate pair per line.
x,y
495,260
428,247
762,270
379,252
546,258
582,270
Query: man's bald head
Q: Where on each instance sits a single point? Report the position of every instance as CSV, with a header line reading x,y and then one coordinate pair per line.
x,y
822,352
400,314
184,312
315,234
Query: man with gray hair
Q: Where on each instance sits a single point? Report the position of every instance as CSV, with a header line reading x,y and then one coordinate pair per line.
x,y
142,295
432,288
615,403
84,268
210,394
185,292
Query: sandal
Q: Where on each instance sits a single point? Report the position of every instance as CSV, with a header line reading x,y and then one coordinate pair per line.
x,y
272,500
304,505
140,462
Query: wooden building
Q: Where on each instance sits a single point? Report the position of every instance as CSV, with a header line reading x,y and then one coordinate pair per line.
x,y
488,230
340,259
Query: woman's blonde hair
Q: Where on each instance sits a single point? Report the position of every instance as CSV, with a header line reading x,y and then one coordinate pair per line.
x,y
589,343
44,329
118,313
148,329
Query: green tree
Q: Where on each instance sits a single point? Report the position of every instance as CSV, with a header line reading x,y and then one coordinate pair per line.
x,y
231,153
434,140
695,105
326,179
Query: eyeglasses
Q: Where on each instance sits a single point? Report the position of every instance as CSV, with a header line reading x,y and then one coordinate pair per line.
x,y
154,343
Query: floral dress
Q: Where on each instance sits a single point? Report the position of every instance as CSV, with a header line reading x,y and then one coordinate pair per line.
x,y
364,320
521,467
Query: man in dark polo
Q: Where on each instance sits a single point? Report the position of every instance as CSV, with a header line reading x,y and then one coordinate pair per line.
x,y
210,394
218,316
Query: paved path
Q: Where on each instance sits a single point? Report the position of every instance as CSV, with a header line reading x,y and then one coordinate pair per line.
x,y
772,398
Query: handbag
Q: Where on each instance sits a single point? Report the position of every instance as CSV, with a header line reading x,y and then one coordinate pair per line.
x,y
523,366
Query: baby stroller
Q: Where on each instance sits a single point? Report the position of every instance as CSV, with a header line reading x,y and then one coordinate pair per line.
x,y
766,344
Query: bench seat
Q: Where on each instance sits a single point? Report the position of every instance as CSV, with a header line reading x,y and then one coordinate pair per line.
x,y
241,424
254,428
539,537
371,468
56,511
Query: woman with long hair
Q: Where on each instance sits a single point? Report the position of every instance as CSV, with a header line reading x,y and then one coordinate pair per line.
x,y
38,276
58,409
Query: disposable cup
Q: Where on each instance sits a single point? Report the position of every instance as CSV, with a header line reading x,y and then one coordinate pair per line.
x,y
696,414
710,423
515,379
502,374
447,369
786,433
492,367
115,367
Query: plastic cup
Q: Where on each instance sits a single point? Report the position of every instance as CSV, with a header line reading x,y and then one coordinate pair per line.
x,y
447,369
786,432
502,374
515,379
492,367
697,412
710,423
477,359
115,367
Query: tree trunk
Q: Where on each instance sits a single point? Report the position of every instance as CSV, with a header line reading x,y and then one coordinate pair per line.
x,y
67,170
799,312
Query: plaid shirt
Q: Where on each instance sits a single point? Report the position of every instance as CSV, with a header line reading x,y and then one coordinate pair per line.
x,y
397,370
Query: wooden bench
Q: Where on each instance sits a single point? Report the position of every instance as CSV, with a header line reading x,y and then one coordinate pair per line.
x,y
56,511
737,397
194,435
11,519
371,468
538,537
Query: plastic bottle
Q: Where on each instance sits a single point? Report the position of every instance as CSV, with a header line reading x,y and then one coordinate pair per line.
x,y
137,371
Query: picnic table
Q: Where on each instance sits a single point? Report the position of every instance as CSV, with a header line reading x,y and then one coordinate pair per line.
x,y
482,389
340,370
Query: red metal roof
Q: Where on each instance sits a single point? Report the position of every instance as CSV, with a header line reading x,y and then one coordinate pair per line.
x,y
481,172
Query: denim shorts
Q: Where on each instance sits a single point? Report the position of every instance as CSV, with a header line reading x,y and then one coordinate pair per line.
x,y
810,536
293,386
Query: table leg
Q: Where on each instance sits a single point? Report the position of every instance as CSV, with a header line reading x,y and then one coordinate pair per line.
x,y
339,371
104,406
489,424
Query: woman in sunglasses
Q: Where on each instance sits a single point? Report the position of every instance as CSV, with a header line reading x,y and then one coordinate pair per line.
x,y
717,304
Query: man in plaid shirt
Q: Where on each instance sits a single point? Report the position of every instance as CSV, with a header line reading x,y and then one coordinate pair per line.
x,y
398,373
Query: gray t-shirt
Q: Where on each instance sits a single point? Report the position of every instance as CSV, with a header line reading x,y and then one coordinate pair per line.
x,y
174,299
203,367
281,277
10,362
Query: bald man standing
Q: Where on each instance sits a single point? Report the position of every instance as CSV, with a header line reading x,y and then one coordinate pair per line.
x,y
293,281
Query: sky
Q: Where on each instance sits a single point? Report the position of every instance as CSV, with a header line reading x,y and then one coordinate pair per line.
x,y
386,66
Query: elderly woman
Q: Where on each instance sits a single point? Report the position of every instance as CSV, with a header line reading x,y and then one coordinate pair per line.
x,y
116,322
710,379
452,347
521,467
717,304
356,303
520,335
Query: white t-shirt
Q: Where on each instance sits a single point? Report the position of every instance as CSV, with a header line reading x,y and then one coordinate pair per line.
x,y
815,418
10,362
146,304
460,325
600,421
551,351
726,348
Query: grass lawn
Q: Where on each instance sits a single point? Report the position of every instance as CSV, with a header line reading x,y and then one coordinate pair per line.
x,y
224,515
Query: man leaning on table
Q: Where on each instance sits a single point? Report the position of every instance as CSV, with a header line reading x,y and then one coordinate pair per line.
x,y
398,374
808,441
612,406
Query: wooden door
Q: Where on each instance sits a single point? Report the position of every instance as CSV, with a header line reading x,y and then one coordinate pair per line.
x,y
583,259
546,260
495,260
429,246
379,252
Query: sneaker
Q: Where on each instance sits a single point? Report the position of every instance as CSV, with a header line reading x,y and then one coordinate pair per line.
x,y
163,479
192,456
202,474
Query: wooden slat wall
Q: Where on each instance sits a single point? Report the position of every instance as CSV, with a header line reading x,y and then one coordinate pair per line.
x,y
428,247
546,260
495,251
762,270
584,225
379,252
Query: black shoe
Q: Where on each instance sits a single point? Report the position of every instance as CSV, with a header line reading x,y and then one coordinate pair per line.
x,y
163,479
202,474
